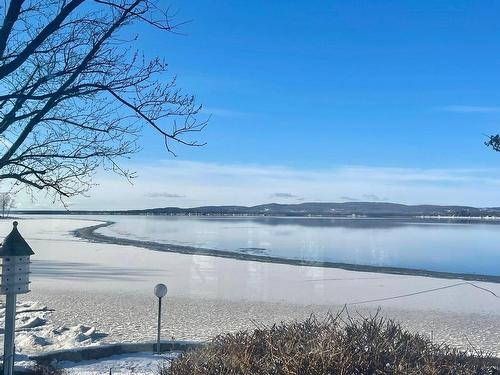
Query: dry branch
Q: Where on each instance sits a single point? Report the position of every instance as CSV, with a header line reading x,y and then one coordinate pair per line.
x,y
75,95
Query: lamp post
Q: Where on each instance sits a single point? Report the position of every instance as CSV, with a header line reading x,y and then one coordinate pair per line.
x,y
15,259
160,292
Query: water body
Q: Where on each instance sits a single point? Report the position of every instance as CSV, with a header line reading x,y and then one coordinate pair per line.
x,y
470,247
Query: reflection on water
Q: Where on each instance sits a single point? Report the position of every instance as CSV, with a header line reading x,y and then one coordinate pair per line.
x,y
437,245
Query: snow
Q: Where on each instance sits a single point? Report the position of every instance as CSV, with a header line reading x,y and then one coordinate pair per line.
x,y
35,332
110,287
130,363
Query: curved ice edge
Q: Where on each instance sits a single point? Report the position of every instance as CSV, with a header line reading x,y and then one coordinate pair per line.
x,y
89,234
108,350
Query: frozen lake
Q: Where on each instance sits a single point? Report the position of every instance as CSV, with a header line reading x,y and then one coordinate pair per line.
x,y
109,287
438,245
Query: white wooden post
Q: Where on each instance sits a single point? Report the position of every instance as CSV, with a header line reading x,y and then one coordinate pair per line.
x,y
15,257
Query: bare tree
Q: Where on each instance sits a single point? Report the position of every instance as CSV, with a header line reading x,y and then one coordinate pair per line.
x,y
75,94
6,204
494,142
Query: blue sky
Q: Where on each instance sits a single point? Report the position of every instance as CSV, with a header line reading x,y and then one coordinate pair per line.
x,y
403,91
316,83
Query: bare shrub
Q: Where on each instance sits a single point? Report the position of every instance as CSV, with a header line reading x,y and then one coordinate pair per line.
x,y
336,345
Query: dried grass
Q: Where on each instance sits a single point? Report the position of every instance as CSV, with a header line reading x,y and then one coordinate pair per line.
x,y
338,344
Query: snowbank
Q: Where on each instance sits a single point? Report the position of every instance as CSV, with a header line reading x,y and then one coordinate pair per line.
x,y
35,332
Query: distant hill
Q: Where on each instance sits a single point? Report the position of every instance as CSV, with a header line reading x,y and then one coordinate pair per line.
x,y
369,209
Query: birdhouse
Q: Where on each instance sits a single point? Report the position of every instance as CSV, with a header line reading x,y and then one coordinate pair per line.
x,y
15,263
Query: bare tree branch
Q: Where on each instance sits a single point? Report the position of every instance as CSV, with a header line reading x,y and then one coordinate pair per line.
x,y
74,95
8,23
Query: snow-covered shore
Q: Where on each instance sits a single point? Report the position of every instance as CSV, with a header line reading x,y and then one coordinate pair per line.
x,y
137,364
35,331
109,287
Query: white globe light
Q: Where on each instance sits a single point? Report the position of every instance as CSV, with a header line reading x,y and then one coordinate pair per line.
x,y
160,290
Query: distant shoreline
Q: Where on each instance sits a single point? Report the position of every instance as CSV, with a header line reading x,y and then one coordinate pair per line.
x,y
356,209
485,219
89,234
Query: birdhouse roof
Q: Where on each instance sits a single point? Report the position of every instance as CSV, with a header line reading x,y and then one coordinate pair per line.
x,y
15,245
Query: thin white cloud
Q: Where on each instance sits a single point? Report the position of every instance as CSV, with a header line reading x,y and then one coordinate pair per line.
x,y
284,195
470,109
219,184
224,112
345,198
163,195
374,198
